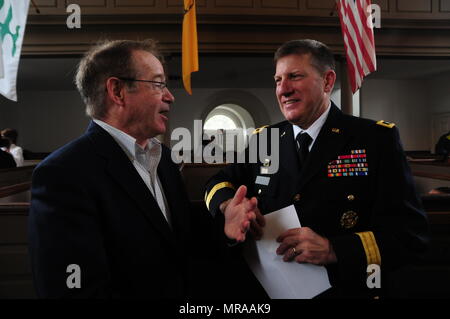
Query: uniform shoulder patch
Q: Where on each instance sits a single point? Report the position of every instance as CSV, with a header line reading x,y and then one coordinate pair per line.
x,y
386,124
258,130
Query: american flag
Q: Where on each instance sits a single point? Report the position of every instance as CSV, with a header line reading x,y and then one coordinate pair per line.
x,y
357,29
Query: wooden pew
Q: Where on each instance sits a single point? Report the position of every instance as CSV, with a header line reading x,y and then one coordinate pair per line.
x,y
430,175
430,277
15,183
15,270
15,176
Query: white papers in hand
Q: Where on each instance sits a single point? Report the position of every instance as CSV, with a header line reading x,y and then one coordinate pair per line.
x,y
280,279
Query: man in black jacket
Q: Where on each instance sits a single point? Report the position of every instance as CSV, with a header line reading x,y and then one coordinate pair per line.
x,y
347,178
109,212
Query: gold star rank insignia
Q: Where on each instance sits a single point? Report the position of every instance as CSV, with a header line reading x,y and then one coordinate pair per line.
x,y
386,124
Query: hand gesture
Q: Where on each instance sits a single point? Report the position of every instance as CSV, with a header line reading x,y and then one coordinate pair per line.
x,y
239,212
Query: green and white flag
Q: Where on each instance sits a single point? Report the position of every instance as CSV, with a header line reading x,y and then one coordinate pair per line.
x,y
13,18
1,63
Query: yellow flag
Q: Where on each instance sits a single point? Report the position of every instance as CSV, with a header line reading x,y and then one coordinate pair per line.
x,y
189,44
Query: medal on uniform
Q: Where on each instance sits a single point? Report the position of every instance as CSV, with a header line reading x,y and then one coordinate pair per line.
x,y
354,164
349,219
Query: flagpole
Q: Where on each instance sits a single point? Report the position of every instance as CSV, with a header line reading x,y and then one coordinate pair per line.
x,y
346,90
35,6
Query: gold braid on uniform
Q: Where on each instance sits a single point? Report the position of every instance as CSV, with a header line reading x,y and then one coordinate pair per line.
x,y
210,195
259,129
370,247
386,124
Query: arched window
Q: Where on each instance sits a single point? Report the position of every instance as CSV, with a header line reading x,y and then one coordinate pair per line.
x,y
228,116
230,120
220,121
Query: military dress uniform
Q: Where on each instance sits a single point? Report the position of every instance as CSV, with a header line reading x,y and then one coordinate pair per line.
x,y
443,145
355,189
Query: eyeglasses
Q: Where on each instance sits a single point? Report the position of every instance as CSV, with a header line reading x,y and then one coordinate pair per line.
x,y
157,84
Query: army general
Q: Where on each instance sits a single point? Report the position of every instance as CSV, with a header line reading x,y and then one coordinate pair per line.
x,y
347,177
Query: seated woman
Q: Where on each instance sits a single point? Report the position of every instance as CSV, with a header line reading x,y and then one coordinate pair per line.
x,y
16,151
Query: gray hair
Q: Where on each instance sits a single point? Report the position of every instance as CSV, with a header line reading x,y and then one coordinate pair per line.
x,y
104,60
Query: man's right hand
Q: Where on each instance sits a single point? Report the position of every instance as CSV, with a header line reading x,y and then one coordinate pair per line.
x,y
256,225
242,214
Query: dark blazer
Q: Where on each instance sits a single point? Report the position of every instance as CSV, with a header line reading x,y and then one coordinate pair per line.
x,y
380,204
90,207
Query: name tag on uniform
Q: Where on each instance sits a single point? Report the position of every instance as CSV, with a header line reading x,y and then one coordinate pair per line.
x,y
265,167
262,180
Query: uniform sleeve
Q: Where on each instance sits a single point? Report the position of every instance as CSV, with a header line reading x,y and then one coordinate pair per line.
x,y
224,184
63,230
398,232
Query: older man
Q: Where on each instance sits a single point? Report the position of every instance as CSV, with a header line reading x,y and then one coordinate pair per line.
x,y
346,176
109,211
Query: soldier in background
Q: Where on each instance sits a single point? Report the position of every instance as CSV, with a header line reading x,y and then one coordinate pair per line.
x,y
443,146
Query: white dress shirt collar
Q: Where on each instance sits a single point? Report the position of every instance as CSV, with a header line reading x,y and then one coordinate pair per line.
x,y
145,161
314,130
129,145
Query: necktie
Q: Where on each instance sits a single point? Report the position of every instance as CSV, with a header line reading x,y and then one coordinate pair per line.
x,y
303,140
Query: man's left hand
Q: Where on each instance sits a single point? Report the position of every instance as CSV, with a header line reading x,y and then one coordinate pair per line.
x,y
305,246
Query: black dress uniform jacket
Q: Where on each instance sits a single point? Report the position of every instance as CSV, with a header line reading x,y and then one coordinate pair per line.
x,y
372,216
443,145
90,207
